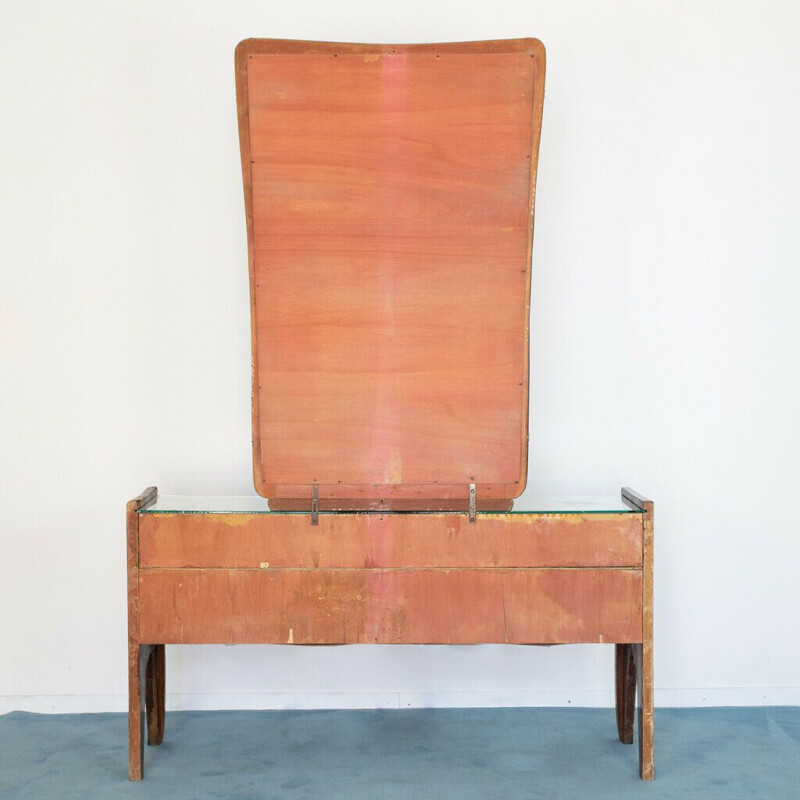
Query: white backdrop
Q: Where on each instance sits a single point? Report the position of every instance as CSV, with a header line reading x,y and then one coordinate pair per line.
x,y
665,333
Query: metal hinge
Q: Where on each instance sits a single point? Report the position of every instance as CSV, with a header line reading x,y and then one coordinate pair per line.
x,y
314,504
472,502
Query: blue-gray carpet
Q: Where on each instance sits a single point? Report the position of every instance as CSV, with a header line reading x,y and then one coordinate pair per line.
x,y
567,753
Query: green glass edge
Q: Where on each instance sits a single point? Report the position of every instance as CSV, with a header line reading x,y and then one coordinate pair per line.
x,y
513,512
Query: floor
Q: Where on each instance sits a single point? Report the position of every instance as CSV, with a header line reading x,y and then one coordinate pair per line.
x,y
417,754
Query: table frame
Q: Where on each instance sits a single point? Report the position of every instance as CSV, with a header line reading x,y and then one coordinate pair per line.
x,y
541,578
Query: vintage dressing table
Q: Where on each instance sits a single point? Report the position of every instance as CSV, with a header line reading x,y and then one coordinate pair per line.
x,y
389,203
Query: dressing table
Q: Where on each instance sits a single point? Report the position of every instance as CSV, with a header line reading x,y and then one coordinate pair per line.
x,y
389,197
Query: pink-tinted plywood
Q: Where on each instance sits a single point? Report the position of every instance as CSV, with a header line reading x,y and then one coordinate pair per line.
x,y
386,606
390,204
390,540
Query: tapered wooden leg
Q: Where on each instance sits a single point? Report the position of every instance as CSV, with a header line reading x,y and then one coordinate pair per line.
x,y
644,690
644,652
137,661
137,653
626,691
154,694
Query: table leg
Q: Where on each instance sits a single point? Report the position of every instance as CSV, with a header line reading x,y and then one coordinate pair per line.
x,y
154,694
644,663
137,661
625,691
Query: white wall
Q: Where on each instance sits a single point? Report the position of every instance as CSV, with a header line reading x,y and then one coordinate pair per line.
x,y
665,332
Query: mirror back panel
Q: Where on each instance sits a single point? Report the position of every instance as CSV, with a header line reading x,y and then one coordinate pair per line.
x,y
389,199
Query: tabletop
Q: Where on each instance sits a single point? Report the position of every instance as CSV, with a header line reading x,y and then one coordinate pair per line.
x,y
254,504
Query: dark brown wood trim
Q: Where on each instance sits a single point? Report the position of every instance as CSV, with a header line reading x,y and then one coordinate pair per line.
x,y
243,51
137,655
155,694
645,652
252,47
625,691
634,499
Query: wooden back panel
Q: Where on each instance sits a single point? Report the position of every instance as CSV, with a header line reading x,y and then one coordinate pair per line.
x,y
389,200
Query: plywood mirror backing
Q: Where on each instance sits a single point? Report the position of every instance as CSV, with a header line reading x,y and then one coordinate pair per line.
x,y
389,200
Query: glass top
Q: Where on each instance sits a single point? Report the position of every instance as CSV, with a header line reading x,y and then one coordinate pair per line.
x,y
253,504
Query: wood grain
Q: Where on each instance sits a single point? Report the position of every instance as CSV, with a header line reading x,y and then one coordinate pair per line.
x,y
389,198
644,652
155,690
136,654
370,501
391,606
625,673
390,540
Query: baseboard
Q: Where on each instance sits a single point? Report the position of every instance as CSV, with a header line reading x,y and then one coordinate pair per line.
x,y
582,698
